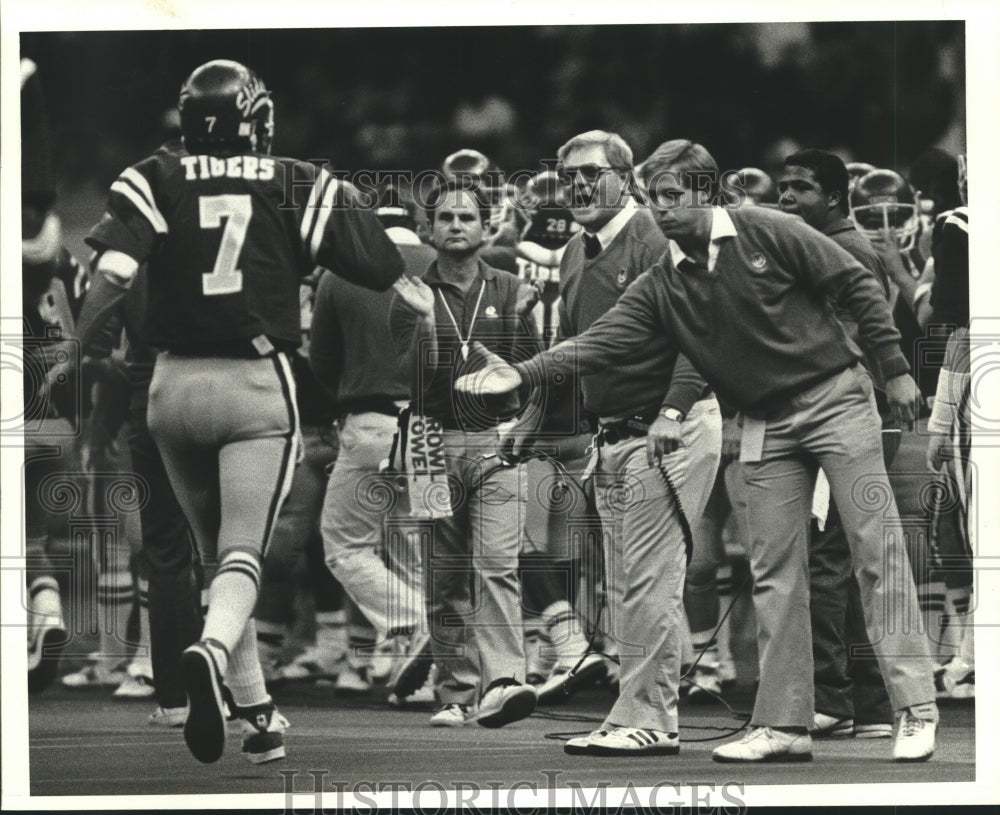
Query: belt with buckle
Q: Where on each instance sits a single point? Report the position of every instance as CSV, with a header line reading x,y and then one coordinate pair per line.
x,y
620,431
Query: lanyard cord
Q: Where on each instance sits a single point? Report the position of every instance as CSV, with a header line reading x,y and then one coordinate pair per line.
x,y
472,324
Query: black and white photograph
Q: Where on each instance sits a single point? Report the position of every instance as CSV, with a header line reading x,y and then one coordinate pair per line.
x,y
526,406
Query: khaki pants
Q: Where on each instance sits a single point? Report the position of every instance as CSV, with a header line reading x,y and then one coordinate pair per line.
x,y
645,562
378,564
471,571
833,425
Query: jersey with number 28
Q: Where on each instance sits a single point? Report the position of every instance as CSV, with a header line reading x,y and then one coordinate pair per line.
x,y
228,239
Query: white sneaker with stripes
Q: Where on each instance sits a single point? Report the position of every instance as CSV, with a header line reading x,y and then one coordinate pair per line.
x,y
632,741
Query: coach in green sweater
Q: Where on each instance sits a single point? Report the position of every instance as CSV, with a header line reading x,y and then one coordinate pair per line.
x,y
744,293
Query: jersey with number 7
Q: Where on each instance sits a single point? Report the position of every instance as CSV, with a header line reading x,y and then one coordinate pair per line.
x,y
228,238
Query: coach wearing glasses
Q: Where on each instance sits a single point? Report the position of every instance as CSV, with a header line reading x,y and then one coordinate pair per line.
x,y
655,396
745,291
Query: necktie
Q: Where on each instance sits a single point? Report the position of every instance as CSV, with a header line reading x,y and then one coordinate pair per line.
x,y
591,246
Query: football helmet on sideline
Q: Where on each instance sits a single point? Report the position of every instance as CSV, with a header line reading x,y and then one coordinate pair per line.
x,y
856,169
225,106
550,223
882,199
758,187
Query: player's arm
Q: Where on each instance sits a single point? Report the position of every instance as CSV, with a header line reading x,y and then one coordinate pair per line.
x,y
952,391
529,250
114,273
127,234
915,293
339,233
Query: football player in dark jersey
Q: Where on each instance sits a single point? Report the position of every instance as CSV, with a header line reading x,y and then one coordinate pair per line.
x,y
949,446
887,212
51,285
228,232
540,249
166,566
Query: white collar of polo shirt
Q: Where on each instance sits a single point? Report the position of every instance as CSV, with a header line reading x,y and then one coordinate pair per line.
x,y
722,227
610,230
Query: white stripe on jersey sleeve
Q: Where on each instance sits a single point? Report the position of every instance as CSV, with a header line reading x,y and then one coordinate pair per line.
x,y
322,216
139,193
311,205
955,219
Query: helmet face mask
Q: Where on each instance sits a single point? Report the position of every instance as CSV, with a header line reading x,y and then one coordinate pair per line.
x,y
881,201
874,220
225,106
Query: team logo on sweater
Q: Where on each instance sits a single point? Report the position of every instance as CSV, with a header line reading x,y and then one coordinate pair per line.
x,y
623,277
758,261
491,311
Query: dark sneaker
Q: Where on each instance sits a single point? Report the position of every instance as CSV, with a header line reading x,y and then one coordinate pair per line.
x,y
264,733
564,682
412,665
205,727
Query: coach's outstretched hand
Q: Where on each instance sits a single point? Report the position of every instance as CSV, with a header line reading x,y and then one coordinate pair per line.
x,y
495,377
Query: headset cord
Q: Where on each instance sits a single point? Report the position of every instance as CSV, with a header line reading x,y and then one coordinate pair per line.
x,y
689,547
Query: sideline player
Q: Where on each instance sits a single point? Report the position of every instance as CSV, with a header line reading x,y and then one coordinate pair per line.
x,y
228,232
168,554
352,356
51,287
